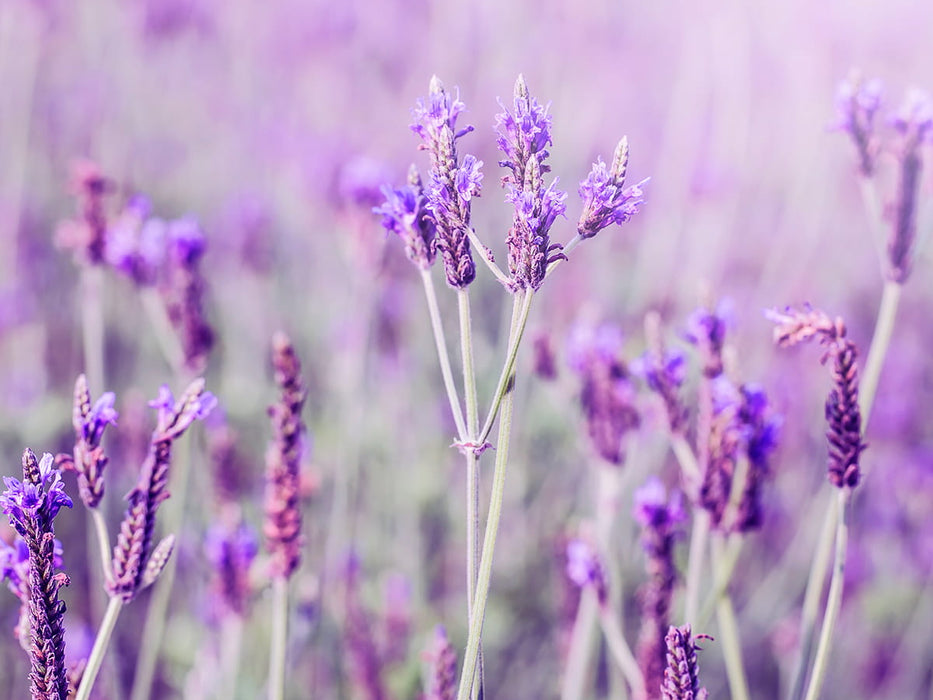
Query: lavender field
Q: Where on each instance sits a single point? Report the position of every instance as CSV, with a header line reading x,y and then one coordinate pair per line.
x,y
422,350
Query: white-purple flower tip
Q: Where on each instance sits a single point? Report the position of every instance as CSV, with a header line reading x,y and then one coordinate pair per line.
x,y
606,200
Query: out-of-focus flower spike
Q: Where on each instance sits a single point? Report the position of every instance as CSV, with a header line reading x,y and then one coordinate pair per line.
x,y
442,673
88,459
857,104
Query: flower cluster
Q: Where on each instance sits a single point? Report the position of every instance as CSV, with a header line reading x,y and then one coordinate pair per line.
x,y
607,395
32,505
660,518
405,214
523,136
452,184
606,199
136,563
842,410
681,675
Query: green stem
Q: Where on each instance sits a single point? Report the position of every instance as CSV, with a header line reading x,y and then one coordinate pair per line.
x,y
103,540
100,647
573,685
571,244
92,326
472,464
231,643
483,252
438,328
698,539
873,211
721,580
489,541
621,653
685,457
811,599
729,635
279,638
834,601
165,335
505,377
880,340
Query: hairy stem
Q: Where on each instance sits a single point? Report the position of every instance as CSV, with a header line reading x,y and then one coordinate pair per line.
x,y
100,647
438,328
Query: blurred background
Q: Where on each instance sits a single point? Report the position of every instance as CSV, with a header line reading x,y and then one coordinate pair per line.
x,y
275,125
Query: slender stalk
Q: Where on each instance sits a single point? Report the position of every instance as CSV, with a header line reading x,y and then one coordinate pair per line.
x,y
729,635
92,326
484,253
571,244
279,638
873,211
492,529
621,653
165,335
442,355
811,599
231,643
472,464
573,685
834,601
722,577
685,457
509,366
698,538
100,647
103,540
880,340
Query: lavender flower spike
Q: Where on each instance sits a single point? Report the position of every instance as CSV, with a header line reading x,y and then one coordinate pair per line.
x,y
89,422
405,214
442,677
681,676
134,561
32,506
452,184
283,462
606,200
857,103
523,135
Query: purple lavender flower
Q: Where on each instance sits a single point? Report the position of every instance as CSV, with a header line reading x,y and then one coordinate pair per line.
x,y
32,506
452,185
659,517
134,550
707,330
606,200
607,396
664,371
136,242
442,675
86,234
585,569
723,442
842,409
88,458
760,428
857,103
681,675
523,135
405,214
231,549
283,462
914,123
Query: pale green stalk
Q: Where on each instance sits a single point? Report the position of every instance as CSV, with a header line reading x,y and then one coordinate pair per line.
x,y
279,638
811,600
165,335
685,457
231,642
484,253
880,340
438,328
504,398
721,577
472,464
834,601
873,211
699,536
582,639
103,540
100,647
620,651
92,326
729,635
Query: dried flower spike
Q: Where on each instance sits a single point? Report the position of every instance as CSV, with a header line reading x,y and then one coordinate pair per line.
x,y
32,506
681,675
283,461
606,200
134,551
452,184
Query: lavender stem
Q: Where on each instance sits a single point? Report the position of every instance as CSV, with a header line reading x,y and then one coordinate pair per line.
x,y
487,258
685,457
699,537
103,539
231,642
165,335
729,633
442,355
573,685
621,652
100,647
504,397
279,638
571,244
834,601
515,338
872,206
880,340
721,579
472,462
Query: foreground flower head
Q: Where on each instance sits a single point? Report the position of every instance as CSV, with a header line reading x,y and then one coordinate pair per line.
x,y
606,200
452,183
523,134
405,214
32,506
842,410
681,675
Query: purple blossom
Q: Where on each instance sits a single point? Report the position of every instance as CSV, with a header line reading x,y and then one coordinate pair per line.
x,y
230,550
664,371
186,241
654,510
706,330
606,200
522,134
681,675
451,185
584,568
915,115
405,214
33,503
136,243
88,458
857,104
